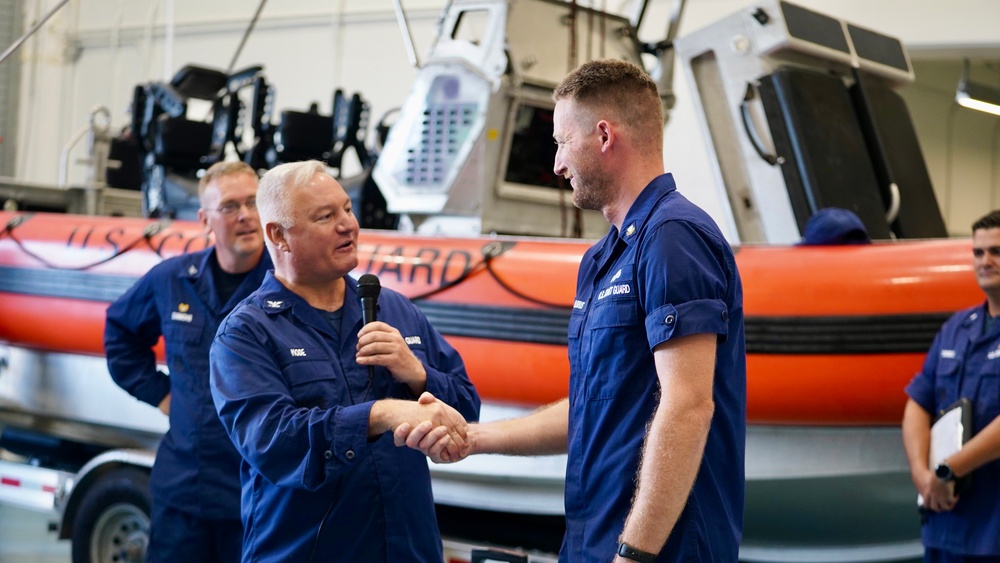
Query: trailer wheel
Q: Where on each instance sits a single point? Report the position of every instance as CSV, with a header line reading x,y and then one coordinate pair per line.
x,y
112,525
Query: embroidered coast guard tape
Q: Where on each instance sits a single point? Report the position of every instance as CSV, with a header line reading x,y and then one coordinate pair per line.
x,y
181,314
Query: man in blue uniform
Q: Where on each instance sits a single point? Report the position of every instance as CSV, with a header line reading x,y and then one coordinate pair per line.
x,y
963,362
655,422
195,483
322,479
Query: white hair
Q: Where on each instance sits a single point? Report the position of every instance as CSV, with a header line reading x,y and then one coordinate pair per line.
x,y
278,184
274,192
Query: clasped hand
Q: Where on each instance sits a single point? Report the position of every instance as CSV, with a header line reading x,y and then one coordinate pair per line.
x,y
938,496
439,442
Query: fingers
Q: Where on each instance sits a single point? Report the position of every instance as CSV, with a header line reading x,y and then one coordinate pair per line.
x,y
380,344
434,442
441,452
439,431
400,434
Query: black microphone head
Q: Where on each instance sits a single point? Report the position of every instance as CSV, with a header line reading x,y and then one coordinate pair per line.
x,y
369,287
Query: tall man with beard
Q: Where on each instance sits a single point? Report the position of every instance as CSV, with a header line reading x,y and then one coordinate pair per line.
x,y
655,422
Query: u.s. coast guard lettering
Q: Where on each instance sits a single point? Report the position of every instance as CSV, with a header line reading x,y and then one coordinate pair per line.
x,y
620,289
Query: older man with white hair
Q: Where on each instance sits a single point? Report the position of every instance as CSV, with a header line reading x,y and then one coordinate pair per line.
x,y
322,479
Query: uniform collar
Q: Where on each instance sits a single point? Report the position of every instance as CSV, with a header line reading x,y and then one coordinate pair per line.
x,y
198,264
976,316
974,323
638,213
274,298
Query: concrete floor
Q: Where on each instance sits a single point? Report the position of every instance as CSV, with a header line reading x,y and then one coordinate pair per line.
x,y
24,538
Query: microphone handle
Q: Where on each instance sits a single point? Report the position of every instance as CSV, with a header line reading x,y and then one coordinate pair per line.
x,y
368,309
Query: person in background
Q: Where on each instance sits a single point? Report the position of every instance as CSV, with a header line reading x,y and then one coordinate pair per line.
x,y
655,421
195,482
291,380
833,225
963,362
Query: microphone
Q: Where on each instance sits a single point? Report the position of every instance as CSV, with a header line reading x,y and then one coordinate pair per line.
x,y
368,290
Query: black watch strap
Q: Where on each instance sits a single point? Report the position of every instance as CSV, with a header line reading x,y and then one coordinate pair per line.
x,y
944,472
628,552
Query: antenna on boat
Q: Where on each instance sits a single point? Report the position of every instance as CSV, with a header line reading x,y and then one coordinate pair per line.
x,y
10,50
404,26
663,71
246,35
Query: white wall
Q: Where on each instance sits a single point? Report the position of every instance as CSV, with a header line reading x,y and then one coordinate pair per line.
x,y
95,51
961,146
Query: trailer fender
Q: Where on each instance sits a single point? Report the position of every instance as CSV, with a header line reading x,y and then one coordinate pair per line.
x,y
90,475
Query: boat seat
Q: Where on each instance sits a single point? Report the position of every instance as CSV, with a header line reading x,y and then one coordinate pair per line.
x,y
302,136
895,151
198,82
126,174
181,143
822,151
350,122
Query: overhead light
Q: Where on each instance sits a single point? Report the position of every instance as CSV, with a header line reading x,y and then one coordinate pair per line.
x,y
977,96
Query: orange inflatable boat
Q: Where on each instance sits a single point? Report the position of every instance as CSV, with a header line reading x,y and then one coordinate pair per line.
x,y
833,333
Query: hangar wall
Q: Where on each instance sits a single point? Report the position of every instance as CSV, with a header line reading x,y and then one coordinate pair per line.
x,y
94,51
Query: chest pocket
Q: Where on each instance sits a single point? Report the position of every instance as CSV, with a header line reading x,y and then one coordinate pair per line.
x,y
187,354
946,381
617,339
986,405
186,332
313,379
614,313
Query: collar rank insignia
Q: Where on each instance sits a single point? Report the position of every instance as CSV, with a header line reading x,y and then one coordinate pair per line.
x,y
630,230
192,270
274,304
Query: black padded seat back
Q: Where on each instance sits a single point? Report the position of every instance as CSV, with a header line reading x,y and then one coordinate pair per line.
x,y
303,136
895,151
127,174
198,82
181,143
825,160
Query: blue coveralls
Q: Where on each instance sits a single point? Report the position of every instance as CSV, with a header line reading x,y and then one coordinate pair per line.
x,y
670,273
965,362
196,470
296,404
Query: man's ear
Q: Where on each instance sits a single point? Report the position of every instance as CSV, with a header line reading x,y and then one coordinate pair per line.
x,y
607,134
203,219
276,234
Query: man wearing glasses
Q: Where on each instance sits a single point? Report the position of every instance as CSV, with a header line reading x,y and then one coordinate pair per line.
x,y
195,482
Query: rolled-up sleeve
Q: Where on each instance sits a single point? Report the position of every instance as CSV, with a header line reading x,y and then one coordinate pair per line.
x,y
921,387
687,284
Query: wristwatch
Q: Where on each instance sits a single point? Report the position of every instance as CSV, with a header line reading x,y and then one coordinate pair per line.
x,y
944,472
628,552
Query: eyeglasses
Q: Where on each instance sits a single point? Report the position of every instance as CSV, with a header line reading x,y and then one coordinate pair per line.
x,y
233,207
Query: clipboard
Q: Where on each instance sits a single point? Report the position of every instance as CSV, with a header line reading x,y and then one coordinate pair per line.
x,y
950,430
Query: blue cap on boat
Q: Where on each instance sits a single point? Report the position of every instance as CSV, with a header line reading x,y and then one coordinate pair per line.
x,y
833,225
